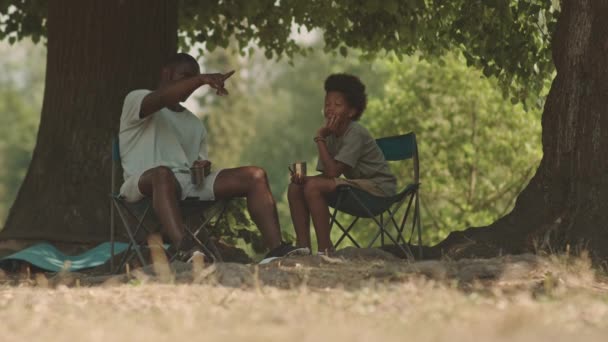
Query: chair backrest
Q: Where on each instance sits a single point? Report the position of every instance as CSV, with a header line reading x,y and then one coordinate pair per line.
x,y
115,165
401,147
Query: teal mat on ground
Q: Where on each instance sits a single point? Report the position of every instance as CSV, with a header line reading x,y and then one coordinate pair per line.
x,y
46,256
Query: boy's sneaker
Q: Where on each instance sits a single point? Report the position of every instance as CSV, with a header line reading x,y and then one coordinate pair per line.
x,y
284,250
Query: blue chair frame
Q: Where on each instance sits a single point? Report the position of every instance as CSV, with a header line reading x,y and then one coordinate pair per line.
x,y
360,204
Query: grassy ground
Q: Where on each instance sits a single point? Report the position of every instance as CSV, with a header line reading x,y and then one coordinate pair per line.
x,y
353,297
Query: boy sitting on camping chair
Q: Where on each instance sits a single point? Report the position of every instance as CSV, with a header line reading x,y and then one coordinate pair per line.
x,y
345,148
160,141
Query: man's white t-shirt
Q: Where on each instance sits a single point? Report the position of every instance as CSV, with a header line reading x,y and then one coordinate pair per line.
x,y
164,138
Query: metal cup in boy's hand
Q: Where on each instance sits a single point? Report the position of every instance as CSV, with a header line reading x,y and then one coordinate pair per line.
x,y
298,172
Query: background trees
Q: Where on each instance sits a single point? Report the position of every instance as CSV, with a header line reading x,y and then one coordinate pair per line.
x,y
21,90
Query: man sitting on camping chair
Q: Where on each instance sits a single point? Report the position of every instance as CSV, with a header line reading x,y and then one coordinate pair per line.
x,y
160,140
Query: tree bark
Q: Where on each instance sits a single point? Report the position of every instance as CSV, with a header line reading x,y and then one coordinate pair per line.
x,y
565,204
97,52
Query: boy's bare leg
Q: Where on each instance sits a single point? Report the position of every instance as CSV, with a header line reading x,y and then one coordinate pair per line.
x,y
315,190
300,215
251,182
160,184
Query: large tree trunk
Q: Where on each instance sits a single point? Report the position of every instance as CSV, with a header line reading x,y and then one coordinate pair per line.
x,y
97,52
566,203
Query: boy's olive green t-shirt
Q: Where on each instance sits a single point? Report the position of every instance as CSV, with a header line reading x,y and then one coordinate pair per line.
x,y
358,149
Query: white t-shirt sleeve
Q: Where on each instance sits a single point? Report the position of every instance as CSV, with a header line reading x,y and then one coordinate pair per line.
x,y
203,152
131,108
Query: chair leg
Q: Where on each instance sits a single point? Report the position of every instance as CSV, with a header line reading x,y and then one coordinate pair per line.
x,y
222,214
407,213
127,252
404,248
417,213
208,219
399,231
382,230
346,233
112,232
413,230
416,222
133,242
333,216
333,220
206,244
392,219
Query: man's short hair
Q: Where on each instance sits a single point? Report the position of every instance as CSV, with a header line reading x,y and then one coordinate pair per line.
x,y
352,88
181,58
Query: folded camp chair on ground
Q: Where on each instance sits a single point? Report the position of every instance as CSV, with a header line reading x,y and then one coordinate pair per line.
x,y
383,210
139,217
49,258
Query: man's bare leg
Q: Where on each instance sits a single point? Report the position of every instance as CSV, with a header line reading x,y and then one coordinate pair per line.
x,y
300,215
315,190
160,184
251,182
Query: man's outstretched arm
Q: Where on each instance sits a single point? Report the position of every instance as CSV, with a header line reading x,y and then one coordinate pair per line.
x,y
177,91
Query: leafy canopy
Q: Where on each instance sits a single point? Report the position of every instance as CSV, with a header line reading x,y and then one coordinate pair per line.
x,y
506,39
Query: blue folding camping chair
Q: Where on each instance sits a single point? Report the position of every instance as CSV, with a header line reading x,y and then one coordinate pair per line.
x,y
383,210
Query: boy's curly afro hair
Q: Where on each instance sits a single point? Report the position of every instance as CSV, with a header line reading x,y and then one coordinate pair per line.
x,y
352,88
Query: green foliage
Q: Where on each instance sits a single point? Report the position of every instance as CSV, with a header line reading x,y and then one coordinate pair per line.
x,y
22,19
477,150
236,229
506,39
21,89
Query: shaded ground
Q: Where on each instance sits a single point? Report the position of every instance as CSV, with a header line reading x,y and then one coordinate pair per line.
x,y
350,269
359,295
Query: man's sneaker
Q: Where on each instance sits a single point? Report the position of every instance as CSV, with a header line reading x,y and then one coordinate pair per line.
x,y
188,256
284,250
197,254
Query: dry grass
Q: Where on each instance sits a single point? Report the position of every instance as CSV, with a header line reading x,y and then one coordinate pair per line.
x,y
523,298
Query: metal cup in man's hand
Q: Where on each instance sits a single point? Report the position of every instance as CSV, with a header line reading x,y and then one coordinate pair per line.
x,y
197,175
